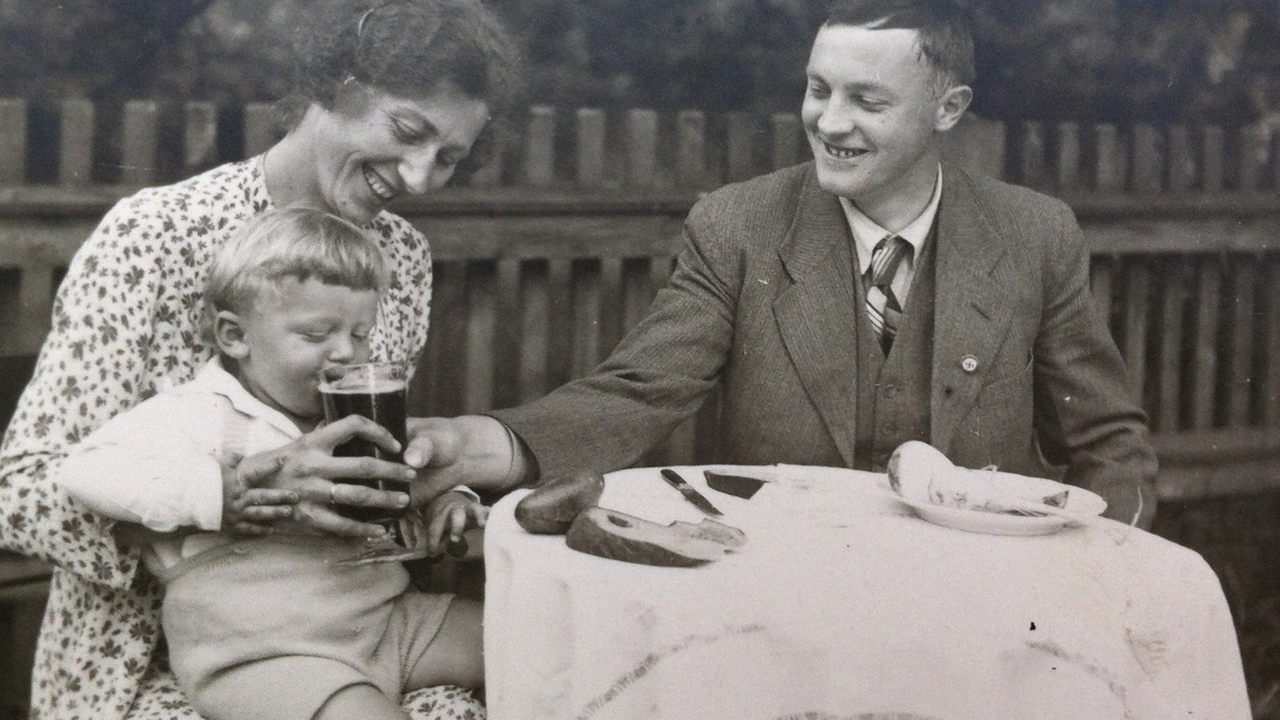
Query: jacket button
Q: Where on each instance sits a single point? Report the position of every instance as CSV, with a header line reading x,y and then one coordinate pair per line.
x,y
969,363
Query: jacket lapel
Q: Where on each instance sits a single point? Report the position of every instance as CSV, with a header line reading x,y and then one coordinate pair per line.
x,y
815,314
971,315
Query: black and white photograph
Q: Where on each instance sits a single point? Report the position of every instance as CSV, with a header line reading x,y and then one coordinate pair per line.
x,y
640,359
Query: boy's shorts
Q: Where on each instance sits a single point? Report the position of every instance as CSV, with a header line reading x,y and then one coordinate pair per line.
x,y
270,628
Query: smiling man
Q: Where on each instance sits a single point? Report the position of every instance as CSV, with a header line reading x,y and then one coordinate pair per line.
x,y
874,295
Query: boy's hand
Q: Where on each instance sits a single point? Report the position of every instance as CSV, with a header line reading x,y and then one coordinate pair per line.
x,y
252,511
448,516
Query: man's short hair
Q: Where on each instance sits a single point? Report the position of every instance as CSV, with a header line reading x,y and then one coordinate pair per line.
x,y
946,39
293,242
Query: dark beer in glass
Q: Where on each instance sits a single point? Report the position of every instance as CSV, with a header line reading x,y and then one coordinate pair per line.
x,y
376,391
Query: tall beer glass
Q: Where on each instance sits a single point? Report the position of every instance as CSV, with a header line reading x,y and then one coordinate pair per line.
x,y
377,391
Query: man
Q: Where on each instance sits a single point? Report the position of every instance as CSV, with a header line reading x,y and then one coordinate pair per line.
x,y
972,329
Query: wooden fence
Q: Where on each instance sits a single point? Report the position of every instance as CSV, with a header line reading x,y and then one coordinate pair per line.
x,y
545,258
548,255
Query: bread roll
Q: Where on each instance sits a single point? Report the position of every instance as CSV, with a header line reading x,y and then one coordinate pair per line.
x,y
551,508
918,471
619,536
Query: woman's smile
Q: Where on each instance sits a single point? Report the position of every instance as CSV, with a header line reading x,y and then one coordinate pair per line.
x,y
380,187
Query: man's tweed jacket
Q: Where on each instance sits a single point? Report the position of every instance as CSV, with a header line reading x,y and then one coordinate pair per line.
x,y
762,302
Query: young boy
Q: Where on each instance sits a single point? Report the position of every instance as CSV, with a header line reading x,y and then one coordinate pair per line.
x,y
274,625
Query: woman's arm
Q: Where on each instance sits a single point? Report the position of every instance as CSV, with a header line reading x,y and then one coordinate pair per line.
x,y
90,368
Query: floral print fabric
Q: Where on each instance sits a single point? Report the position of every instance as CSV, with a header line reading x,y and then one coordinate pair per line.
x,y
126,323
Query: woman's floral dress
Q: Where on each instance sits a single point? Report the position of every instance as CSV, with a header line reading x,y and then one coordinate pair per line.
x,y
126,323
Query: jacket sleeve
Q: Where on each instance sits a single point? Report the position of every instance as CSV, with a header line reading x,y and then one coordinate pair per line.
x,y
1087,415
657,377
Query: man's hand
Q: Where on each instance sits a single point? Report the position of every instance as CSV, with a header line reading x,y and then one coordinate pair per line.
x,y
306,469
473,450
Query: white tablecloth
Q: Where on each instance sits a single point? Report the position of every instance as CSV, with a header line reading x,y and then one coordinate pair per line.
x,y
843,604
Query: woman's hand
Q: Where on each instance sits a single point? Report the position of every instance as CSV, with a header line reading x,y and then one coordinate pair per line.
x,y
306,469
473,450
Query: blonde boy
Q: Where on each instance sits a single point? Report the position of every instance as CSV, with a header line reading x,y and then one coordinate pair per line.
x,y
273,625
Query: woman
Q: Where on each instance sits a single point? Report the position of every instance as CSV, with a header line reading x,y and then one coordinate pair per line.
x,y
390,98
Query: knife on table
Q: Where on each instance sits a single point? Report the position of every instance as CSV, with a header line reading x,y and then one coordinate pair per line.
x,y
688,492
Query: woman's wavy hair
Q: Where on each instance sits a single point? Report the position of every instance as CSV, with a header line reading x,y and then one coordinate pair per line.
x,y
293,242
408,48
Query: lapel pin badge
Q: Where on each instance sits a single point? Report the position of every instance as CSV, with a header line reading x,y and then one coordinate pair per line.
x,y
969,363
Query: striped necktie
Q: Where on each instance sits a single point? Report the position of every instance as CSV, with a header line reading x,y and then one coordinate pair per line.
x,y
882,307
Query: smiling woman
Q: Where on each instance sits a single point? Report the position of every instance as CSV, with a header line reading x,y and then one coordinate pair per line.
x,y
390,97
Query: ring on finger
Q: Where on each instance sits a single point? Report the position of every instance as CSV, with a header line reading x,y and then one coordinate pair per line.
x,y
333,494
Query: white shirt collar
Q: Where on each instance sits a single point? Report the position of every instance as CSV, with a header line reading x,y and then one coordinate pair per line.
x,y
866,232
213,378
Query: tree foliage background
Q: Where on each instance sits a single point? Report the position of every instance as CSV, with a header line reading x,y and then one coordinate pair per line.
x,y
1113,60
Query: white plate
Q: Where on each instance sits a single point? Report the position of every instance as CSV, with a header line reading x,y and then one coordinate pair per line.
x,y
1079,501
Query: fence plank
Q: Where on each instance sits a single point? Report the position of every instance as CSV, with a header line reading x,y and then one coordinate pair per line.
x,y
1174,296
75,142
659,273
691,149
199,137
1102,273
482,323
437,388
637,291
511,345
1214,149
539,152
642,148
1255,146
1205,360
1273,181
1270,325
1239,347
13,141
788,139
1136,306
560,308
1182,159
1110,167
536,330
740,147
1069,174
138,154
1032,151
261,130
590,146
612,312
1148,160
588,321
978,145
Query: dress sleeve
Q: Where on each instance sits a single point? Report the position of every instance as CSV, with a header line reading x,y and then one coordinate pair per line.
x,y
153,465
90,368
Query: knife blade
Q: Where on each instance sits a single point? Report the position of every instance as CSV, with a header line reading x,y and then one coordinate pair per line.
x,y
673,478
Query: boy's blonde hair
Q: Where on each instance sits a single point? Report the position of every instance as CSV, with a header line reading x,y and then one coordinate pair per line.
x,y
294,242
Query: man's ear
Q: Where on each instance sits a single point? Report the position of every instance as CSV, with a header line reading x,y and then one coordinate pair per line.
x,y
228,333
951,107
